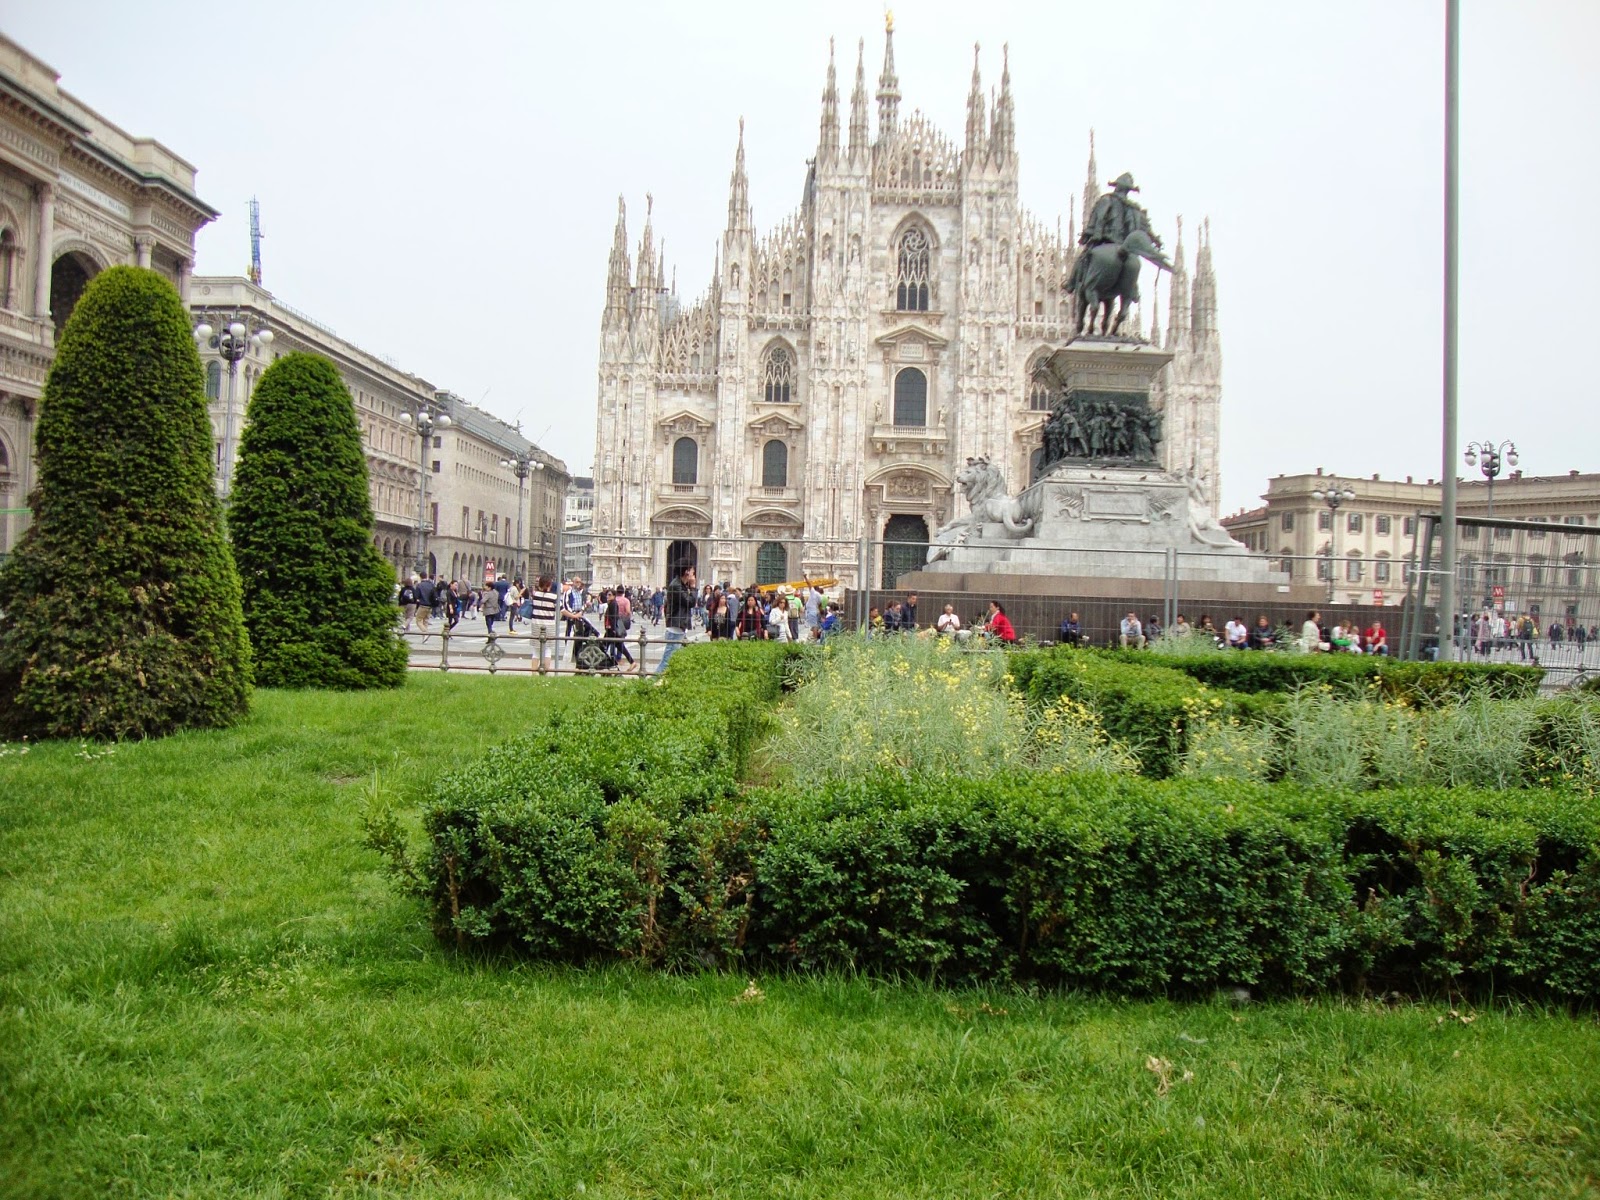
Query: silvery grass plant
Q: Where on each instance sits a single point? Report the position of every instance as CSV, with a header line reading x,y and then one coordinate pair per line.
x,y
925,707
1353,737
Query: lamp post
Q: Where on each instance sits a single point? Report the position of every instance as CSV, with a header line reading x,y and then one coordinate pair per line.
x,y
1487,457
232,342
429,415
521,463
1333,493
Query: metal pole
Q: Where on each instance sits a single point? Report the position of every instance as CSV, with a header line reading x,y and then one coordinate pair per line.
x,y
423,430
1333,532
227,441
863,581
522,502
1491,470
1452,280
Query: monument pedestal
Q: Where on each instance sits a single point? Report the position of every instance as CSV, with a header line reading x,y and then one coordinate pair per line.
x,y
1119,523
1105,508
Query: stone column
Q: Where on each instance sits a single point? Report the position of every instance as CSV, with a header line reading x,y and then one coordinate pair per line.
x,y
141,250
47,225
185,270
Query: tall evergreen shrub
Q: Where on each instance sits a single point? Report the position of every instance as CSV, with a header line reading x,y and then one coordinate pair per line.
x,y
318,597
119,610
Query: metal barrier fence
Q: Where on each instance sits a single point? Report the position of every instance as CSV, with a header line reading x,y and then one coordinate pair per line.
x,y
1526,591
474,651
1530,590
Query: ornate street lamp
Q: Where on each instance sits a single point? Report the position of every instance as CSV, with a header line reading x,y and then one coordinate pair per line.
x,y
1333,493
232,342
521,463
1487,456
428,416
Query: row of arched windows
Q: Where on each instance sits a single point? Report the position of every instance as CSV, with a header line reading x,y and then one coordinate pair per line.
x,y
774,463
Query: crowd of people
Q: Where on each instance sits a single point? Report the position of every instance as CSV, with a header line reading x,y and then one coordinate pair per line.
x,y
566,612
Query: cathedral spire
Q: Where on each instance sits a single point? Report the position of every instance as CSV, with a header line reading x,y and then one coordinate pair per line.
x,y
739,191
616,313
828,143
859,136
975,122
1203,321
645,284
1003,141
1178,313
888,83
1155,311
1091,189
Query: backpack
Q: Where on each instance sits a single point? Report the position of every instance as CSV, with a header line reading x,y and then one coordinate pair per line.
x,y
408,594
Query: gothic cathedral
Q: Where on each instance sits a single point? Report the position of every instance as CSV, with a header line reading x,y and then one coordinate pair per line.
x,y
842,366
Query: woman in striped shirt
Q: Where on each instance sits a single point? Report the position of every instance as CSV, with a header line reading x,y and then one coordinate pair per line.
x,y
542,624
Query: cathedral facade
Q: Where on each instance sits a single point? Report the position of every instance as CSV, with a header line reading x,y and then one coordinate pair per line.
x,y
841,366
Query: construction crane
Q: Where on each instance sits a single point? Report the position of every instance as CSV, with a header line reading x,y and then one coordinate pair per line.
x,y
255,241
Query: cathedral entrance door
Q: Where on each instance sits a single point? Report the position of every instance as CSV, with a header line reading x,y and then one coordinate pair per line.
x,y
680,554
772,563
905,547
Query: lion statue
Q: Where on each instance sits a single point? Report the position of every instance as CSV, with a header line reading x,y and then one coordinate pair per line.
x,y
984,486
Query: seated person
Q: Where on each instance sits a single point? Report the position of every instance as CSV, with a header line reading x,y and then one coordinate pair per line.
x,y
1071,631
1377,638
1131,632
948,622
1262,634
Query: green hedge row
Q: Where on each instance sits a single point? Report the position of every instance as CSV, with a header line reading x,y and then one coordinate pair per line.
x,y
1254,672
623,832
1141,702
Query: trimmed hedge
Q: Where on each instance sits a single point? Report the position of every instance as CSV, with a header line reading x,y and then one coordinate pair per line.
x,y
622,832
1254,672
318,597
119,610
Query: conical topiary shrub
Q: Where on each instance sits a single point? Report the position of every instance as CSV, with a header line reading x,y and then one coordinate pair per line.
x,y
318,597
119,610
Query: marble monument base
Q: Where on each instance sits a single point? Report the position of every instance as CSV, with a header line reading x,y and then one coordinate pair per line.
x,y
1115,523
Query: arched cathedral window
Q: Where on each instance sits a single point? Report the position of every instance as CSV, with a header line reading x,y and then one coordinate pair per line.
x,y
777,376
1038,388
911,397
911,285
775,465
685,461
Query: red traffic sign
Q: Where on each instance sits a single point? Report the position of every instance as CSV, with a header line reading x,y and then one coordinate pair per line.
x,y
488,571
1498,592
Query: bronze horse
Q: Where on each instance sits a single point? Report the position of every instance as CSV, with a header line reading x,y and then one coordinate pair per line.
x,y
1107,275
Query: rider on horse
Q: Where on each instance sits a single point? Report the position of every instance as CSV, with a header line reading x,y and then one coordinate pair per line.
x,y
1105,275
1112,219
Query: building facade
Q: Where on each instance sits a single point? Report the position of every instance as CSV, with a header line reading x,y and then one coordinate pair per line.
x,y
455,482
1366,545
844,363
77,195
1370,545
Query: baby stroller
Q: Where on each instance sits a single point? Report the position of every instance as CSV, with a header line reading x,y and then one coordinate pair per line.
x,y
589,652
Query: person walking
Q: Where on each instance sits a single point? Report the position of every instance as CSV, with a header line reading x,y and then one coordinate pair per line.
x,y
490,606
615,621
680,603
408,604
426,589
719,621
752,622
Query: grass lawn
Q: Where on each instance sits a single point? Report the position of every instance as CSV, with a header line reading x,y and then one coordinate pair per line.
x,y
208,989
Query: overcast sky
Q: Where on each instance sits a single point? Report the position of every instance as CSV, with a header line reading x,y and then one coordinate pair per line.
x,y
439,183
